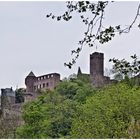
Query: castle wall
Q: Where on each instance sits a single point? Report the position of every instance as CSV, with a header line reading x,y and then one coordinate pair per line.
x,y
9,113
7,97
35,84
49,81
9,109
30,96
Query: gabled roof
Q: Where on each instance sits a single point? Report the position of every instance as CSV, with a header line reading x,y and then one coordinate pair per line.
x,y
31,74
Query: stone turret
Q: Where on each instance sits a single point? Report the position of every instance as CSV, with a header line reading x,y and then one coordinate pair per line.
x,y
7,98
29,82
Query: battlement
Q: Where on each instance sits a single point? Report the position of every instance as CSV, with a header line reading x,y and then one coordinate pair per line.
x,y
8,92
48,76
96,55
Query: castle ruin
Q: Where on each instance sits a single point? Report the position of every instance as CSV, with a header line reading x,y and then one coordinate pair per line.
x,y
43,82
49,81
96,75
10,109
35,84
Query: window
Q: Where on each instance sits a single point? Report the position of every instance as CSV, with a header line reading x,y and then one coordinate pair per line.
x,y
47,84
52,75
43,85
38,78
44,77
48,76
40,85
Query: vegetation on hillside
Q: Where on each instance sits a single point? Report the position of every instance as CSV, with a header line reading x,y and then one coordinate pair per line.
x,y
76,110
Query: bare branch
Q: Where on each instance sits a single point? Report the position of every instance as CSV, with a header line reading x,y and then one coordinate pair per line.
x,y
127,30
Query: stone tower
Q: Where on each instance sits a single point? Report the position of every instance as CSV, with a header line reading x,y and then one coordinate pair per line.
x,y
97,64
7,98
29,82
97,69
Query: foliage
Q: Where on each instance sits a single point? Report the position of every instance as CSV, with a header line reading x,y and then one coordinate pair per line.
x,y
118,76
67,89
112,113
84,78
75,89
72,77
76,110
125,68
92,15
48,117
20,95
51,115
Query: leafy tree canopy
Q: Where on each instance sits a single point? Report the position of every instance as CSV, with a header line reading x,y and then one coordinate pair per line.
x,y
76,110
20,95
114,112
51,115
125,68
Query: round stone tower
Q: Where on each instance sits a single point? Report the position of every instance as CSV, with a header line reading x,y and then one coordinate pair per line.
x,y
29,82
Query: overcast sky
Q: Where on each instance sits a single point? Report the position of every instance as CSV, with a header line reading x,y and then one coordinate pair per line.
x,y
30,41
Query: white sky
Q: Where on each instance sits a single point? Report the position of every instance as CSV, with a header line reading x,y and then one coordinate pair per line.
x,y
30,41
